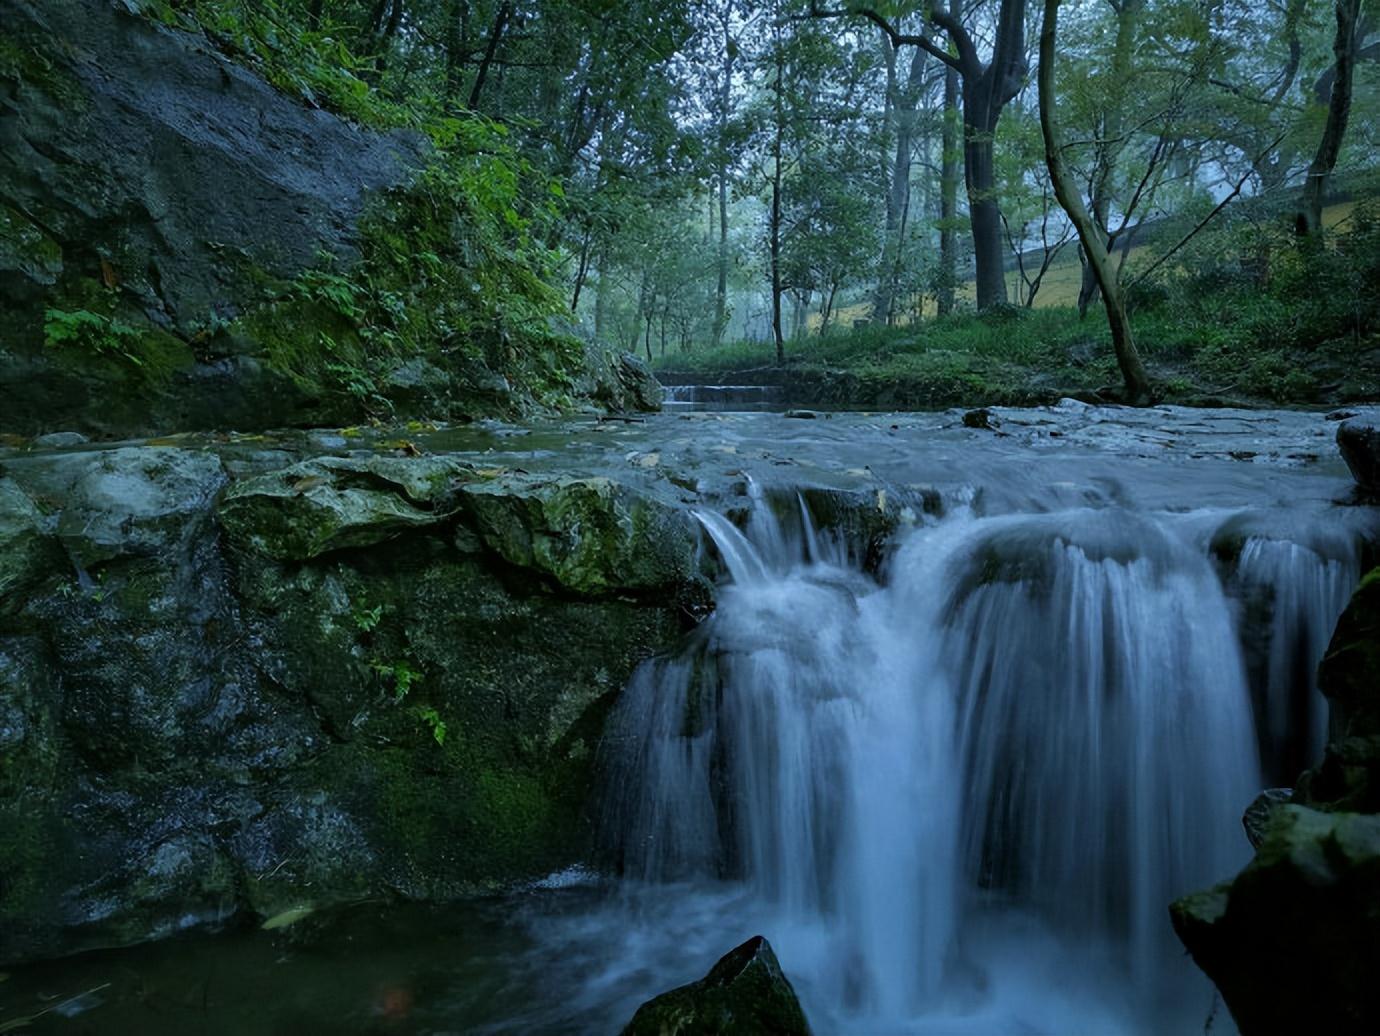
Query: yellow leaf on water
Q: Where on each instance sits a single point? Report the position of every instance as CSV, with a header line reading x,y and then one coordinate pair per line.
x,y
290,916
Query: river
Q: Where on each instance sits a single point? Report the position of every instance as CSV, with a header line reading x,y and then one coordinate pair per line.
x,y
954,777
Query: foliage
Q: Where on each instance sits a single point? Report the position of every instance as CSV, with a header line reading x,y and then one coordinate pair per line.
x,y
398,675
93,332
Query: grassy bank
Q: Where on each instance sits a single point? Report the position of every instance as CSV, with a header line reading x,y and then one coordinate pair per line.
x,y
1268,325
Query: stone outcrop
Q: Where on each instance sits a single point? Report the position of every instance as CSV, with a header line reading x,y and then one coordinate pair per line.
x,y
1293,941
233,682
161,203
1359,440
744,994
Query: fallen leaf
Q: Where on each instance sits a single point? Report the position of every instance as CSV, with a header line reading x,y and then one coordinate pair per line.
x,y
288,917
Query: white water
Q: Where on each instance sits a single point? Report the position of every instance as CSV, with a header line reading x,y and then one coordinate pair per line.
x,y
960,798
1295,592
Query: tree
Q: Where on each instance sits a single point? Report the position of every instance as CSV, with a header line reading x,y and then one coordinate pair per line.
x,y
986,87
1344,47
1137,382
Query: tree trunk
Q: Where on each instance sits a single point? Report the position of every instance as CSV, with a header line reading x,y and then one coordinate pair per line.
x,y
903,114
505,11
1066,191
774,245
582,271
1309,221
725,99
989,250
948,197
457,45
602,291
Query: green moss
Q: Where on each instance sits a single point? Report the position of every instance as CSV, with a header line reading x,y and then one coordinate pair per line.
x,y
23,62
26,249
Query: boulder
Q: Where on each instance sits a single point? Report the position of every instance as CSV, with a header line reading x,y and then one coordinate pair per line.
x,y
1359,440
744,994
590,536
360,700
145,176
333,503
1293,942
27,551
134,500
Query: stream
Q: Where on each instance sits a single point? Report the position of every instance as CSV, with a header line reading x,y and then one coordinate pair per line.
x,y
955,782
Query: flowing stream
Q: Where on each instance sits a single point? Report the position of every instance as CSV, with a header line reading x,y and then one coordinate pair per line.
x,y
1034,729
956,785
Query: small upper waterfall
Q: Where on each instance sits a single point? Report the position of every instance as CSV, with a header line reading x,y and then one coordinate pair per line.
x,y
1027,720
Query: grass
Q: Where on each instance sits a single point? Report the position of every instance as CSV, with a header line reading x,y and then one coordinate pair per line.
x,y
1238,353
1246,315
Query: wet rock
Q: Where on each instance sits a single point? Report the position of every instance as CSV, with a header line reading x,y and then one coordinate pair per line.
x,y
1257,816
1348,778
1293,943
135,500
590,535
136,156
332,503
1359,440
58,440
419,386
640,388
802,415
620,382
744,994
983,418
27,551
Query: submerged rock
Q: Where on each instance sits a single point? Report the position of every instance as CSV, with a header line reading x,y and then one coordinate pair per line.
x,y
744,994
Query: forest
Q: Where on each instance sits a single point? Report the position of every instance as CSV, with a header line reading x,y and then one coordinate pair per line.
x,y
736,185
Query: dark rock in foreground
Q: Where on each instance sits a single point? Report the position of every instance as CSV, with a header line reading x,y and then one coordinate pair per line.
x,y
1293,942
744,994
1359,440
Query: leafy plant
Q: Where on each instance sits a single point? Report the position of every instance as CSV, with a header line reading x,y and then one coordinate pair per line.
x,y
366,619
433,721
399,675
98,334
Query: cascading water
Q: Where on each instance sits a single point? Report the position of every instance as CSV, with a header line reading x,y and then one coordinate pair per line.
x,y
1033,731
1292,594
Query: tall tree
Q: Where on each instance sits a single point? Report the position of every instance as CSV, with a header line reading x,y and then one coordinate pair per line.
x,y
1137,382
1344,47
903,99
986,88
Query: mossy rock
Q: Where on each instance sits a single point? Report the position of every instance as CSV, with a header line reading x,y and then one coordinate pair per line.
x,y
27,551
744,994
1293,943
590,536
335,503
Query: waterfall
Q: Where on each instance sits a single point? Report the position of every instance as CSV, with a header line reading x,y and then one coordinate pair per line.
x,y
1292,595
1028,720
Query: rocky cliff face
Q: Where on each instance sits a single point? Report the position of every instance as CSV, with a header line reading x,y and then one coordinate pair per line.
x,y
159,203
247,674
235,681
